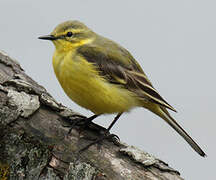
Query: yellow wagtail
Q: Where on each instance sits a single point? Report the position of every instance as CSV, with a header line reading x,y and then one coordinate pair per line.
x,y
100,75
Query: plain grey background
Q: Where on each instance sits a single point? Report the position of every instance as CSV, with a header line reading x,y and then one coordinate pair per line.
x,y
174,41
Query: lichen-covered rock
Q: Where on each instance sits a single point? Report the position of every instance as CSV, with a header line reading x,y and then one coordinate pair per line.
x,y
79,171
26,158
35,144
139,156
26,104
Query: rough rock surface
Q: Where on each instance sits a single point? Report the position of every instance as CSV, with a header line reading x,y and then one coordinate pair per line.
x,y
34,143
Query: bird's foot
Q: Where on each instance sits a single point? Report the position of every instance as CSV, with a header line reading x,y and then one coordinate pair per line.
x,y
111,137
82,123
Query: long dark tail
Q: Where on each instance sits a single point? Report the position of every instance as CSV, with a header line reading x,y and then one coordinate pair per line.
x,y
164,114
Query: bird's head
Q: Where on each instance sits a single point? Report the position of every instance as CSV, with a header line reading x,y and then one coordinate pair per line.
x,y
69,35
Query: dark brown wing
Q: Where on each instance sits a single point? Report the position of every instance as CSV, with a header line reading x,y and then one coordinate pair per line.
x,y
117,66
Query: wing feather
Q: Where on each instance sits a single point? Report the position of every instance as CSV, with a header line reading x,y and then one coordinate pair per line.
x,y
117,66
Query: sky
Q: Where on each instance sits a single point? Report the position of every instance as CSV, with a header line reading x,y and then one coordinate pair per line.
x,y
174,42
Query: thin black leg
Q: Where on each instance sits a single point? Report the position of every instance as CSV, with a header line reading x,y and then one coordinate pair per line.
x,y
105,135
87,121
114,121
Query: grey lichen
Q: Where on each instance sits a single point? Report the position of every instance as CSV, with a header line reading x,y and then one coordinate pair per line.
x,y
80,171
7,114
139,155
50,175
49,101
146,159
27,157
26,104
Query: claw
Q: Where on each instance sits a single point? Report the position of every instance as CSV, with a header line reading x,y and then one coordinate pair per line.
x,y
114,138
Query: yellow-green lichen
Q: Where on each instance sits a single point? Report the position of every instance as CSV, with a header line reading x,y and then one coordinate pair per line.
x,y
4,171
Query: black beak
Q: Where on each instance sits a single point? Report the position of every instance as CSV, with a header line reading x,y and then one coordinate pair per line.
x,y
48,37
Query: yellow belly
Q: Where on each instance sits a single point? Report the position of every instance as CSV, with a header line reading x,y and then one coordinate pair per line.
x,y
83,85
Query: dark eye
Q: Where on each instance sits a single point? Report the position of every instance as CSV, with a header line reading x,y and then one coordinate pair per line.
x,y
69,34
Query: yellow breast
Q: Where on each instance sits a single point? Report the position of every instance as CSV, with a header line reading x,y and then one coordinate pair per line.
x,y
82,83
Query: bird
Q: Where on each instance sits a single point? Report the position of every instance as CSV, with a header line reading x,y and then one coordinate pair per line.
x,y
103,77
